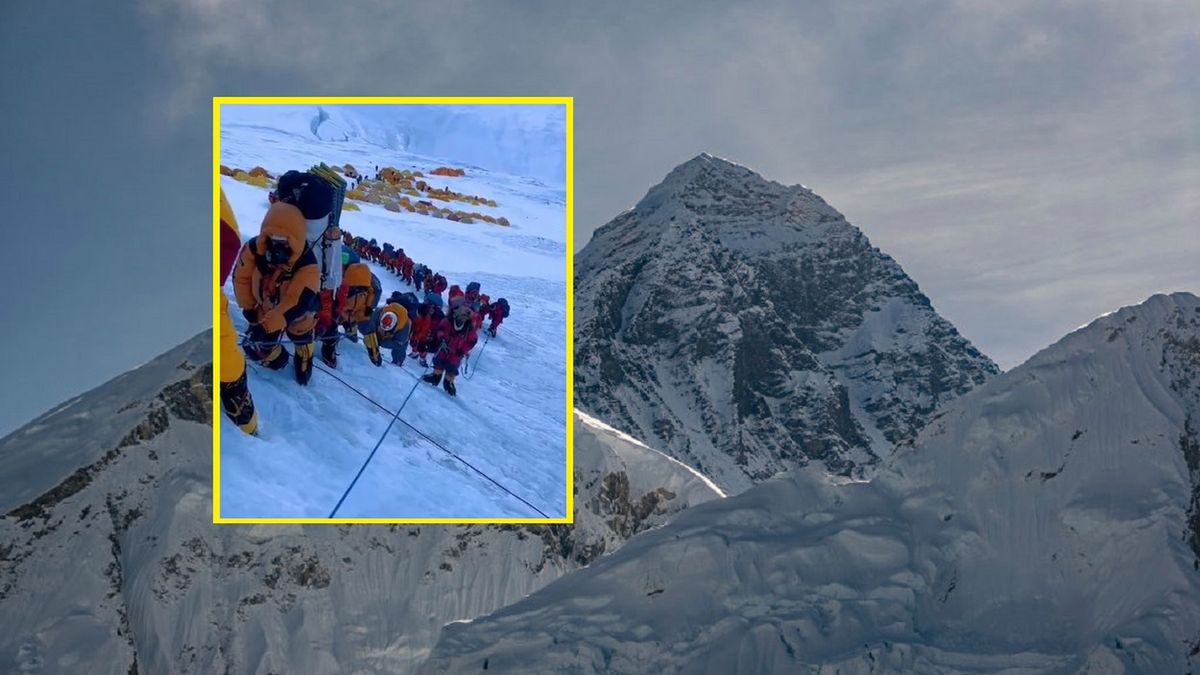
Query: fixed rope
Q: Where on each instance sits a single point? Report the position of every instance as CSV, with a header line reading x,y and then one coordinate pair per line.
x,y
373,450
527,341
422,434
471,374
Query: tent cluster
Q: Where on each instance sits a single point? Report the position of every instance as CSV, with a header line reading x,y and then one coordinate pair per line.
x,y
410,183
398,191
257,176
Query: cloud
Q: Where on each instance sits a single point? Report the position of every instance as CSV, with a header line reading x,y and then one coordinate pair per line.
x,y
1036,160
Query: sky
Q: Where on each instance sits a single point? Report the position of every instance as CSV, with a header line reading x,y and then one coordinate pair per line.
x,y
1031,165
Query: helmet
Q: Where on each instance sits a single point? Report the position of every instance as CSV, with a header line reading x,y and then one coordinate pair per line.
x,y
388,322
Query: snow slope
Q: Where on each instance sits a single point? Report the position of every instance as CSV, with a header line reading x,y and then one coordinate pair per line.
x,y
115,567
747,328
37,456
1044,522
499,449
521,140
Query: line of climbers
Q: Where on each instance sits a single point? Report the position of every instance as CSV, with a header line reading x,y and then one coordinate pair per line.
x,y
295,278
449,334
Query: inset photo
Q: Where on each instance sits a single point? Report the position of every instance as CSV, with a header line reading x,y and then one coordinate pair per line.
x,y
393,308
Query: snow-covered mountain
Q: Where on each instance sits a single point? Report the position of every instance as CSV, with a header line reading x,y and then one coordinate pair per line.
x,y
1045,522
522,140
745,327
109,561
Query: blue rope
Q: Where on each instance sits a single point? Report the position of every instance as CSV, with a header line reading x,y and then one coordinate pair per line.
x,y
396,418
373,450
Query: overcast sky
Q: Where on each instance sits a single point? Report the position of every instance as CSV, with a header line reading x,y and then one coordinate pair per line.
x,y
1031,165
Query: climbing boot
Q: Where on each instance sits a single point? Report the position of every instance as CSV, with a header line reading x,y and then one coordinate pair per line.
x,y
304,357
239,405
371,341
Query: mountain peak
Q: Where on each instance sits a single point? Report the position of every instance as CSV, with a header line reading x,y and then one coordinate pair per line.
x,y
40,455
706,161
761,327
708,173
1134,325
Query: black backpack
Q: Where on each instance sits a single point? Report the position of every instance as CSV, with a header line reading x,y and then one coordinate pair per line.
x,y
503,306
308,192
473,286
409,302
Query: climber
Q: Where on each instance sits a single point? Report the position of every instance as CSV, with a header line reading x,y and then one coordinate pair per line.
x,y
406,269
434,299
276,283
471,298
483,310
439,284
456,297
406,300
472,295
387,327
422,331
314,196
420,274
357,298
498,315
454,338
236,400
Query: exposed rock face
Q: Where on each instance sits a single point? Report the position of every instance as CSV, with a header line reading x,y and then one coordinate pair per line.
x,y
745,327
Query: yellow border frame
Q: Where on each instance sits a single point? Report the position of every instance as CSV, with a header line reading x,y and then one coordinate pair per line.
x,y
567,101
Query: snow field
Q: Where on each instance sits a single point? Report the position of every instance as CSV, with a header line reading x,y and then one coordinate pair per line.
x,y
509,420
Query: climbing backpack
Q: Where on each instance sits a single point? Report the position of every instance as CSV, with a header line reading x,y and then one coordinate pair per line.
x,y
310,193
503,307
409,302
